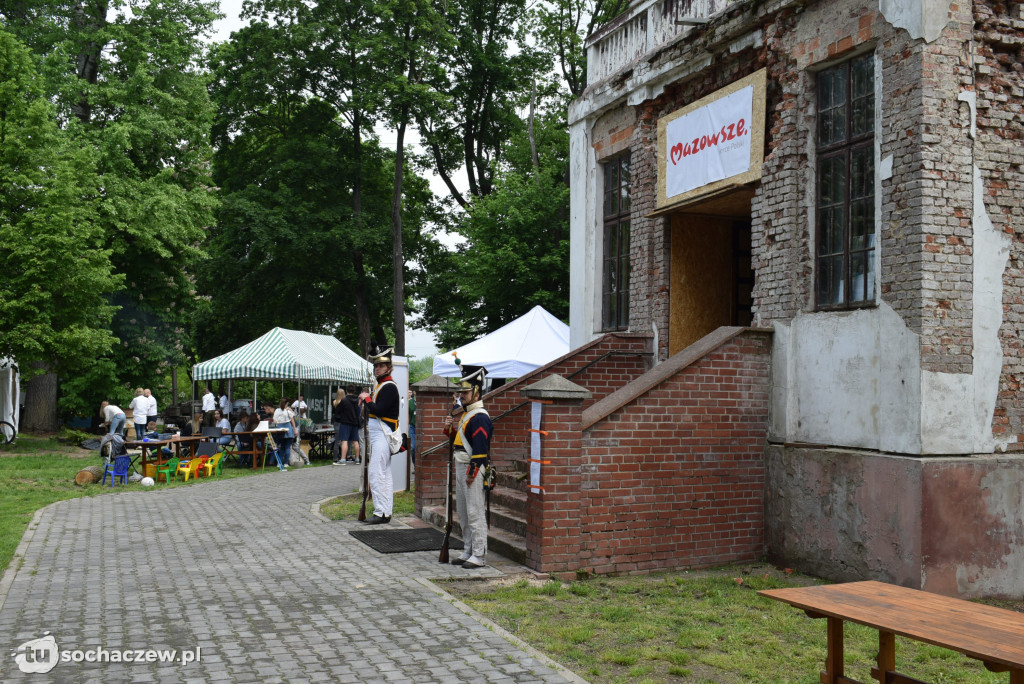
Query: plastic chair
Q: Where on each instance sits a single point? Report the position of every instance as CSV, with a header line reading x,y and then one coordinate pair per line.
x,y
117,469
190,468
168,469
214,465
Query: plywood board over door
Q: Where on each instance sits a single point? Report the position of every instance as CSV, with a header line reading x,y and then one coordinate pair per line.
x,y
701,297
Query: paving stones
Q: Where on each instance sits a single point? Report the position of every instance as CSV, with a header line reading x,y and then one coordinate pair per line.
x,y
241,571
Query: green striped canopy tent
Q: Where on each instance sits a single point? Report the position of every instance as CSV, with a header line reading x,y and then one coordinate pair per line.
x,y
283,354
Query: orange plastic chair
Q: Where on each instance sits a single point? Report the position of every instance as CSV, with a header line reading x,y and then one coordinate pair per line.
x,y
213,465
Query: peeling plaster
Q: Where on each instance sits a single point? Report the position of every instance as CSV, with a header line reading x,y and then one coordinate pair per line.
x,y
921,18
946,427
885,168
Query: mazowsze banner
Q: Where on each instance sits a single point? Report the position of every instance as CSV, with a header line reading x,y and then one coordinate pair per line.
x,y
713,143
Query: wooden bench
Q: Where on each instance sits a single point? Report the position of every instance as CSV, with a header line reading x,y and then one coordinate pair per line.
x,y
992,635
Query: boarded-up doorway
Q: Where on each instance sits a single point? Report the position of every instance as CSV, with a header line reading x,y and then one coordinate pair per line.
x,y
712,279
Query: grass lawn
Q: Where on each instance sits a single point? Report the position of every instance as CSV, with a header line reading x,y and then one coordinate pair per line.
x,y
707,627
37,471
347,507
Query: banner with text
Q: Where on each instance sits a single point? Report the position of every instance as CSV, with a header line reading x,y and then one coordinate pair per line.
x,y
712,143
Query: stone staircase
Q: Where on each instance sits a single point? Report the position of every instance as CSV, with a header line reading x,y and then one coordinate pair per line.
x,y
507,533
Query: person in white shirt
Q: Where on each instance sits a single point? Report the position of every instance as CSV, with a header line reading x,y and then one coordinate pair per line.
x,y
299,407
225,406
140,409
225,426
151,410
209,406
112,416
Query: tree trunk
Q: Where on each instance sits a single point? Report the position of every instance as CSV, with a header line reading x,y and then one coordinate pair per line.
x,y
41,413
362,306
529,128
397,261
89,475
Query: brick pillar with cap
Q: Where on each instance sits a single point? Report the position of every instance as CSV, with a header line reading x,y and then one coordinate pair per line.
x,y
553,525
433,401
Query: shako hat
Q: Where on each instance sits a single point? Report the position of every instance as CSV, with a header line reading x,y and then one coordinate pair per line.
x,y
472,376
381,355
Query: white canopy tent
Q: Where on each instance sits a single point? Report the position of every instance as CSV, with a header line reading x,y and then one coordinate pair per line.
x,y
527,343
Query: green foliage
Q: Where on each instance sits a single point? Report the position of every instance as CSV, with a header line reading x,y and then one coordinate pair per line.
x,y
420,369
516,253
49,225
289,249
128,83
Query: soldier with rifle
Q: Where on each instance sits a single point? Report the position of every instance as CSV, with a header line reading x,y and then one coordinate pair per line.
x,y
382,409
470,436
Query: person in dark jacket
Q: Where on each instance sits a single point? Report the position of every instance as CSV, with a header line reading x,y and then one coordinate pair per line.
x,y
346,425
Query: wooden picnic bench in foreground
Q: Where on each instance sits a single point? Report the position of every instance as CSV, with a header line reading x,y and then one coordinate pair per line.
x,y
994,636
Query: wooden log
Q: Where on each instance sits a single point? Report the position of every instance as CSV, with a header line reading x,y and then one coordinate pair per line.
x,y
89,475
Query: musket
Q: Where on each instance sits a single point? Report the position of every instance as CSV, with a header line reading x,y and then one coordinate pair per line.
x,y
443,557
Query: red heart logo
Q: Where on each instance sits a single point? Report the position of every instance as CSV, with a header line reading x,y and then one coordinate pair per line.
x,y
676,153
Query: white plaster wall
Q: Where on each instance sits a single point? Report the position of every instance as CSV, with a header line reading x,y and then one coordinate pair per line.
x,y
584,262
921,18
947,428
850,379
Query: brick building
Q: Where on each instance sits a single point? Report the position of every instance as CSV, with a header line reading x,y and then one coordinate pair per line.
x,y
858,226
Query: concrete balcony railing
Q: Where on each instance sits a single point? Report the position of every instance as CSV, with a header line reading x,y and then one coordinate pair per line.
x,y
646,25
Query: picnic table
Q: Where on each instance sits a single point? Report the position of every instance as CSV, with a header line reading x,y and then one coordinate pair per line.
x,y
994,636
319,441
146,444
258,446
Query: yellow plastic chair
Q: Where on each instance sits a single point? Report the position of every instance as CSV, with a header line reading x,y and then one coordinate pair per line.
x,y
213,465
190,468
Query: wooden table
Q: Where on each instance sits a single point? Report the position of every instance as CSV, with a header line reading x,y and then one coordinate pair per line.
x,y
992,635
146,445
259,438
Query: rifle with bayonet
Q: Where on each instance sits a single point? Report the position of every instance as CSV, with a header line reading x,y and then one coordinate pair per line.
x,y
443,557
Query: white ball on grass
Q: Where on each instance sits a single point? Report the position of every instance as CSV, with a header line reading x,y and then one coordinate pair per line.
x,y
148,482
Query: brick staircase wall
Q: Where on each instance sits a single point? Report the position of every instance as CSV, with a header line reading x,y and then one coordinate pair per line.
x,y
671,471
656,468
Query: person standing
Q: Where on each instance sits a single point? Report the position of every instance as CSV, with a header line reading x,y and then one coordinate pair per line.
x,y
382,413
299,407
114,417
346,425
209,406
471,439
284,418
225,406
151,406
140,409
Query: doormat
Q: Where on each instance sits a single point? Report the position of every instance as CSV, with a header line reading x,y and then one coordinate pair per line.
x,y
405,540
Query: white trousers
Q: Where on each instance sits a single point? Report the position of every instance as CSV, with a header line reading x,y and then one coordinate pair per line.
x,y
382,488
469,499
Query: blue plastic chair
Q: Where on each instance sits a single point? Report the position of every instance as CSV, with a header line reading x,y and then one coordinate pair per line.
x,y
117,469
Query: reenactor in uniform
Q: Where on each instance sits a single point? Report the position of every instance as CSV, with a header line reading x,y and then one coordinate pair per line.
x,y
382,409
471,436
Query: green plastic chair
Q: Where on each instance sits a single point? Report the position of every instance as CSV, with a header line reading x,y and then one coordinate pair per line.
x,y
168,469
